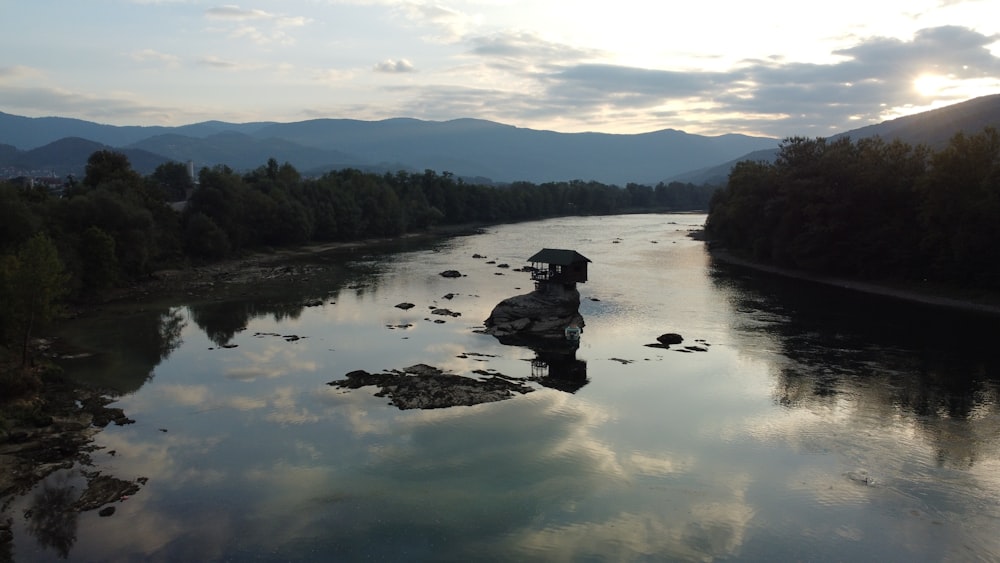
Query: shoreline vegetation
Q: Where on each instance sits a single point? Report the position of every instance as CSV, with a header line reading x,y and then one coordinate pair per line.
x,y
885,218
980,302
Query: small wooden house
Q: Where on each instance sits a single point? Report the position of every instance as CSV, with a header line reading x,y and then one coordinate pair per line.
x,y
552,265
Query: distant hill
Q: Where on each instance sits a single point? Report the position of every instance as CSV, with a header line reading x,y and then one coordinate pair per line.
x,y
69,156
240,151
465,147
468,148
933,128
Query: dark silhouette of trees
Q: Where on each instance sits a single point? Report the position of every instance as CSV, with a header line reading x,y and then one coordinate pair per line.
x,y
31,285
870,209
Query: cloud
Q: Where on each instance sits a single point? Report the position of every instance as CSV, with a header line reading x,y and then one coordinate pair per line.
x,y
18,72
235,13
395,67
241,28
446,24
544,80
231,12
42,100
151,55
219,63
527,47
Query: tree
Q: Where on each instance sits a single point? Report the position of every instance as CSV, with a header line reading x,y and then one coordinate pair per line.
x,y
100,263
31,284
172,180
107,166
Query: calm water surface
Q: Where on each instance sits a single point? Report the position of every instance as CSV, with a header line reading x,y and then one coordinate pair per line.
x,y
818,425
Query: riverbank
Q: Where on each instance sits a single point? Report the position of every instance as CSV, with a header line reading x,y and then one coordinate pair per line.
x,y
980,302
262,265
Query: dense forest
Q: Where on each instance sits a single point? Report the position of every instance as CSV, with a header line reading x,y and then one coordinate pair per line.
x,y
869,209
114,226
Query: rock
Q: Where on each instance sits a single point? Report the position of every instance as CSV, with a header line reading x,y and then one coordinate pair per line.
x,y
426,387
544,314
405,306
448,296
451,274
102,490
106,511
670,338
445,312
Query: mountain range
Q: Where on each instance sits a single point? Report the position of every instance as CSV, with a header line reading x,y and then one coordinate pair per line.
x,y
933,128
470,148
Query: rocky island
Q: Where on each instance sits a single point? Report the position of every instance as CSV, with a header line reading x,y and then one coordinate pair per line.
x,y
551,308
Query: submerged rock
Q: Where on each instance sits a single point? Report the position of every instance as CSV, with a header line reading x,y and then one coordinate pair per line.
x,y
103,489
426,387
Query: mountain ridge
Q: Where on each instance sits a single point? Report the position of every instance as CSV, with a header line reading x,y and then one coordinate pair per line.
x,y
933,128
466,147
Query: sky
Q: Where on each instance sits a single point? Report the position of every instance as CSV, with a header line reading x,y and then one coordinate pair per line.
x,y
773,68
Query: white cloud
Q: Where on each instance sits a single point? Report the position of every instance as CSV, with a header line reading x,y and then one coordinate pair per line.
x,y
18,72
392,66
219,63
151,55
231,12
445,25
268,27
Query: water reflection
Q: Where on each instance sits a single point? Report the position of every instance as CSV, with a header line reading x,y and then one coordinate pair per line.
x,y
750,451
556,366
122,349
879,357
51,517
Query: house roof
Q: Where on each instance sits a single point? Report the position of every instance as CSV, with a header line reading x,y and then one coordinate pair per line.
x,y
558,256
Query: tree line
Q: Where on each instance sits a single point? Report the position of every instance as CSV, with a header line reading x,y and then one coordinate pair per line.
x,y
869,209
114,226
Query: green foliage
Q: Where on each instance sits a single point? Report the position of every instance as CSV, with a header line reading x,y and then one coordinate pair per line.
x,y
97,251
107,166
171,181
870,209
204,239
18,222
31,284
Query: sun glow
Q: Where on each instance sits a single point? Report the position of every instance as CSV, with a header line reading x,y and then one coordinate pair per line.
x,y
929,85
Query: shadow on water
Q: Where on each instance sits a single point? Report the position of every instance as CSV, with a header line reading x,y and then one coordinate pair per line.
x,y
936,364
120,351
556,366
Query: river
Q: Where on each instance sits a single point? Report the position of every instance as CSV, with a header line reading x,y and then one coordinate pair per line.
x,y
795,421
